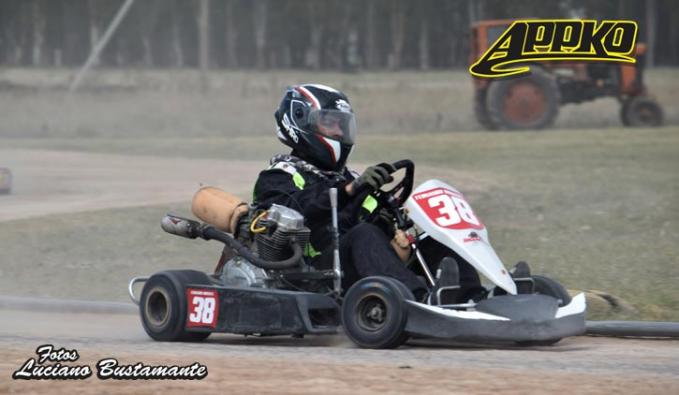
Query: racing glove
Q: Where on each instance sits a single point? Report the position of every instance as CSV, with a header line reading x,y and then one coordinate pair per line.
x,y
374,177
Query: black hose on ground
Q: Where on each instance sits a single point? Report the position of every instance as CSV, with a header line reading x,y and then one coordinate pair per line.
x,y
633,328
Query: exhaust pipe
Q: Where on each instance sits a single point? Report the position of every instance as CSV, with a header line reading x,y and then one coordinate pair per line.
x,y
193,229
181,226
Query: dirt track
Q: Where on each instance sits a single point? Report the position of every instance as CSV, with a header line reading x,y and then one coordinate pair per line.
x,y
58,182
53,182
285,365
49,182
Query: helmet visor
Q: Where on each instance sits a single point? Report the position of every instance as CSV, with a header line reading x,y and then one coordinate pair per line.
x,y
334,124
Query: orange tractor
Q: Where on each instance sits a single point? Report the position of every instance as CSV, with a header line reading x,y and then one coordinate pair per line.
x,y
532,101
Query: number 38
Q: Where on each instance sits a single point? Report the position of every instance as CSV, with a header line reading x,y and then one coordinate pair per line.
x,y
203,310
452,211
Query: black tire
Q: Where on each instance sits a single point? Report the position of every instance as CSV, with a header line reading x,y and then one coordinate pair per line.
x,y
480,110
530,102
374,313
623,113
538,343
163,305
641,111
407,295
547,286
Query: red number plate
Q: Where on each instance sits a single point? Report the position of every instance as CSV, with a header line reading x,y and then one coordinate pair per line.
x,y
203,307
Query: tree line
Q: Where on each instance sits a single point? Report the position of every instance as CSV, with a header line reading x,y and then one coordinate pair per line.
x,y
311,34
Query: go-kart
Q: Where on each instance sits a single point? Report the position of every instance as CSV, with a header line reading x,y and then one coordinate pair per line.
x,y
263,286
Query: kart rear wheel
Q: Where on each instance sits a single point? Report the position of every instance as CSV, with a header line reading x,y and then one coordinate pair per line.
x,y
374,313
163,305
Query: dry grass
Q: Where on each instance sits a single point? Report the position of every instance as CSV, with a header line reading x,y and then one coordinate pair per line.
x,y
168,104
597,208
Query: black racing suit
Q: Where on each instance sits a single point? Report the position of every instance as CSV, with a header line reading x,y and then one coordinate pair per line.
x,y
364,248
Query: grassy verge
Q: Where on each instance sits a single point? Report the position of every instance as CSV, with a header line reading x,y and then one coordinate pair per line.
x,y
93,255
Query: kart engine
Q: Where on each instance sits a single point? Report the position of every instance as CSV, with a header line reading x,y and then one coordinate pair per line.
x,y
280,226
271,242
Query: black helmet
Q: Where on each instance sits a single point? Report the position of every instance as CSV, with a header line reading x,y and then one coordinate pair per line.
x,y
317,122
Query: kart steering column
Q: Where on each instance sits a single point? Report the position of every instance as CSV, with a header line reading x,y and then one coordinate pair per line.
x,y
336,268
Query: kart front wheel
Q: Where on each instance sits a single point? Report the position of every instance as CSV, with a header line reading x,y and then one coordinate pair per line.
x,y
374,313
550,287
547,286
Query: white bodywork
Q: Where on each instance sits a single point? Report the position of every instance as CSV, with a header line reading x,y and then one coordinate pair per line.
x,y
442,212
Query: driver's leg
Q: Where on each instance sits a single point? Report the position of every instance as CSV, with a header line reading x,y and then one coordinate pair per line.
x,y
433,252
365,251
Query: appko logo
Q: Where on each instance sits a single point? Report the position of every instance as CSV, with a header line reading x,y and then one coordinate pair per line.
x,y
556,39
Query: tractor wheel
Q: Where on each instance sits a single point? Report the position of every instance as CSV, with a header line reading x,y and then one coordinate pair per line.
x,y
163,305
480,110
530,102
374,313
641,111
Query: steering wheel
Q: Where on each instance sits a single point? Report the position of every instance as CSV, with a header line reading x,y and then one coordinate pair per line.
x,y
393,198
405,186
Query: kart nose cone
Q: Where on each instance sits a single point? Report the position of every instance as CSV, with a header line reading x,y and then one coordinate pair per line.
x,y
528,307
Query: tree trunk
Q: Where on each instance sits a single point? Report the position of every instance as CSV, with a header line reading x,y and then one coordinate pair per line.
x,y
651,8
230,34
397,34
369,52
423,43
38,33
674,35
336,53
313,55
471,11
459,28
151,13
259,14
23,21
177,48
203,42
94,23
621,9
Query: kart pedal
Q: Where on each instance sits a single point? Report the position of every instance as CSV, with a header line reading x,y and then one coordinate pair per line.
x,y
448,273
522,278
447,283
